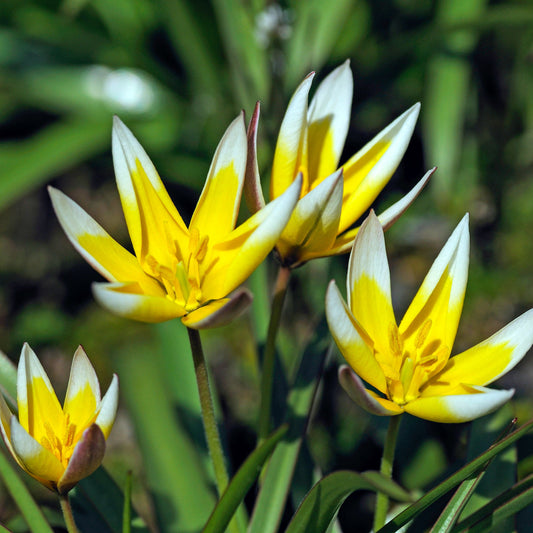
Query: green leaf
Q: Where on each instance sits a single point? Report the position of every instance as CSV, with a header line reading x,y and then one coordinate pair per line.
x,y
28,507
30,163
126,512
8,380
241,483
98,505
499,509
324,500
247,59
315,32
175,474
448,484
278,475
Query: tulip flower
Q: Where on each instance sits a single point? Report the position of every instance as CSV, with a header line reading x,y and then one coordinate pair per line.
x,y
177,271
409,365
57,445
309,145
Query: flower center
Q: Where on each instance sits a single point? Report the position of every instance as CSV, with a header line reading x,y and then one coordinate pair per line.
x,y
411,362
182,278
61,443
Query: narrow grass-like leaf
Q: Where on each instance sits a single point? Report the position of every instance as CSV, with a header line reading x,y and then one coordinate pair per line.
x,y
98,505
452,512
8,380
126,512
278,475
315,32
248,60
448,484
28,164
320,506
28,507
241,483
175,474
504,506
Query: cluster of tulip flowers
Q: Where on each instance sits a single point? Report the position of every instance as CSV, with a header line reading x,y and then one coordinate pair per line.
x,y
194,273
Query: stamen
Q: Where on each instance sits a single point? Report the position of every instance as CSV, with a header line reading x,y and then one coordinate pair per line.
x,y
423,333
395,343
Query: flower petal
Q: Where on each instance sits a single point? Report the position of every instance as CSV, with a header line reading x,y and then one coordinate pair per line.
x,y
127,300
253,193
85,459
95,245
352,341
248,245
368,285
328,121
34,458
217,209
490,359
369,170
108,408
219,312
355,389
391,215
460,407
439,301
153,220
83,392
314,221
290,156
38,405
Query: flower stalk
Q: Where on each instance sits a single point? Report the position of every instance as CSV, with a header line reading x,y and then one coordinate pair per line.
x,y
66,508
267,373
208,412
387,460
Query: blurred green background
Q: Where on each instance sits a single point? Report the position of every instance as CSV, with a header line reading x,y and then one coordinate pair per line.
x,y
177,72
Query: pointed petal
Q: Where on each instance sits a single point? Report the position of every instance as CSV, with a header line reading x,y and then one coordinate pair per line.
x,y
368,285
328,119
248,245
5,426
127,300
314,221
253,193
216,212
490,359
153,221
439,301
108,408
460,407
83,392
369,170
391,215
353,344
35,459
95,245
290,156
219,312
355,389
85,459
38,405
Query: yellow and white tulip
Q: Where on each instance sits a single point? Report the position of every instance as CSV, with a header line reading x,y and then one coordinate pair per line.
x,y
177,270
332,198
57,445
410,365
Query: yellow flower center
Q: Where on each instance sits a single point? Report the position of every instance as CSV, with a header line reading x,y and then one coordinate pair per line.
x,y
182,279
62,440
411,362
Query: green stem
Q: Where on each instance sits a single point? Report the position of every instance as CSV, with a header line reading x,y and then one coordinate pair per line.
x,y
67,513
267,374
208,412
382,500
